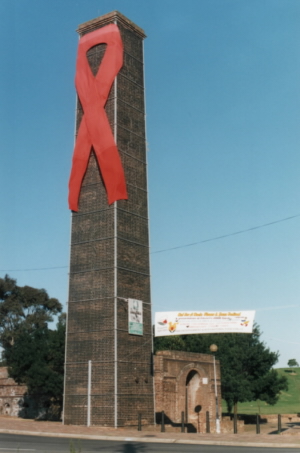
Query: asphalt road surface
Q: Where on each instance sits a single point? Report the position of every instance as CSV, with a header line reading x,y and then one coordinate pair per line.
x,y
10,443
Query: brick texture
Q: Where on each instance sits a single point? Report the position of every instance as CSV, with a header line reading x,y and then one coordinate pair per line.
x,y
183,381
110,261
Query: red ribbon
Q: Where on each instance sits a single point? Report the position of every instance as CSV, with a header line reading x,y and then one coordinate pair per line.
x,y
94,130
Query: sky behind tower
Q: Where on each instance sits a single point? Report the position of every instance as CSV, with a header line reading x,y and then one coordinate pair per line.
x,y
223,111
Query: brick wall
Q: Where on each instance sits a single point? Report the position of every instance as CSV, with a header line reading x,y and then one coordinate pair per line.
x,y
183,381
11,394
15,401
110,261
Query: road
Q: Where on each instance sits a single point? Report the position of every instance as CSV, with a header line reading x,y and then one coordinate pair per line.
x,y
10,443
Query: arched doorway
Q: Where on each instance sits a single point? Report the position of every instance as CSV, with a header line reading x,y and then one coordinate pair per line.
x,y
193,397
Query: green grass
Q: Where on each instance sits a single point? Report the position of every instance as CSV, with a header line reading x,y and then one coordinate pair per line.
x,y
288,403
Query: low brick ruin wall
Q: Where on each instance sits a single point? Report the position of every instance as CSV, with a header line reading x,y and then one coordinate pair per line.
x,y
185,383
11,395
15,401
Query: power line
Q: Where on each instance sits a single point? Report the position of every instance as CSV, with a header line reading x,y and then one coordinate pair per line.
x,y
216,238
34,269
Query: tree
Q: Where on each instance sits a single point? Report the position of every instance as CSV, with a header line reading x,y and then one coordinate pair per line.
x,y
33,353
293,362
174,343
23,309
36,359
246,365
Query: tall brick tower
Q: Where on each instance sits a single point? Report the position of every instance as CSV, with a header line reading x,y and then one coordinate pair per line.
x,y
108,370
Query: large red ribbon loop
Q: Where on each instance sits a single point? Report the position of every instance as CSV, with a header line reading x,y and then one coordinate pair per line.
x,y
94,130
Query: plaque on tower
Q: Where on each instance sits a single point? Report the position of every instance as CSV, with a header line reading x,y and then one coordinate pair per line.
x,y
135,317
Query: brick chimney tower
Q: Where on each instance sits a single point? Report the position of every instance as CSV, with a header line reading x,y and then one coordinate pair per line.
x,y
108,369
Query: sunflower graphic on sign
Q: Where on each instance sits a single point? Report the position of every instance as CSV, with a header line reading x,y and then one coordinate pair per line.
x,y
172,326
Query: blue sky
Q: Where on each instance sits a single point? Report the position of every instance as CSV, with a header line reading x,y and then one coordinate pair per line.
x,y
223,112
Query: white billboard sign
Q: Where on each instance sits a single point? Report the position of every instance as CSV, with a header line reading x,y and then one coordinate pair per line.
x,y
191,322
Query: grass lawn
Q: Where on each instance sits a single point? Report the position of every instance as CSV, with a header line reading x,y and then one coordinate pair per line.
x,y
288,403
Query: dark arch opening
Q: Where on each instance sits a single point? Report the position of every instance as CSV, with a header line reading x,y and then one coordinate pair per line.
x,y
190,376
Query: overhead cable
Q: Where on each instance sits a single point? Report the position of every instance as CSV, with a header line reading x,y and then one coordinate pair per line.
x,y
215,238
